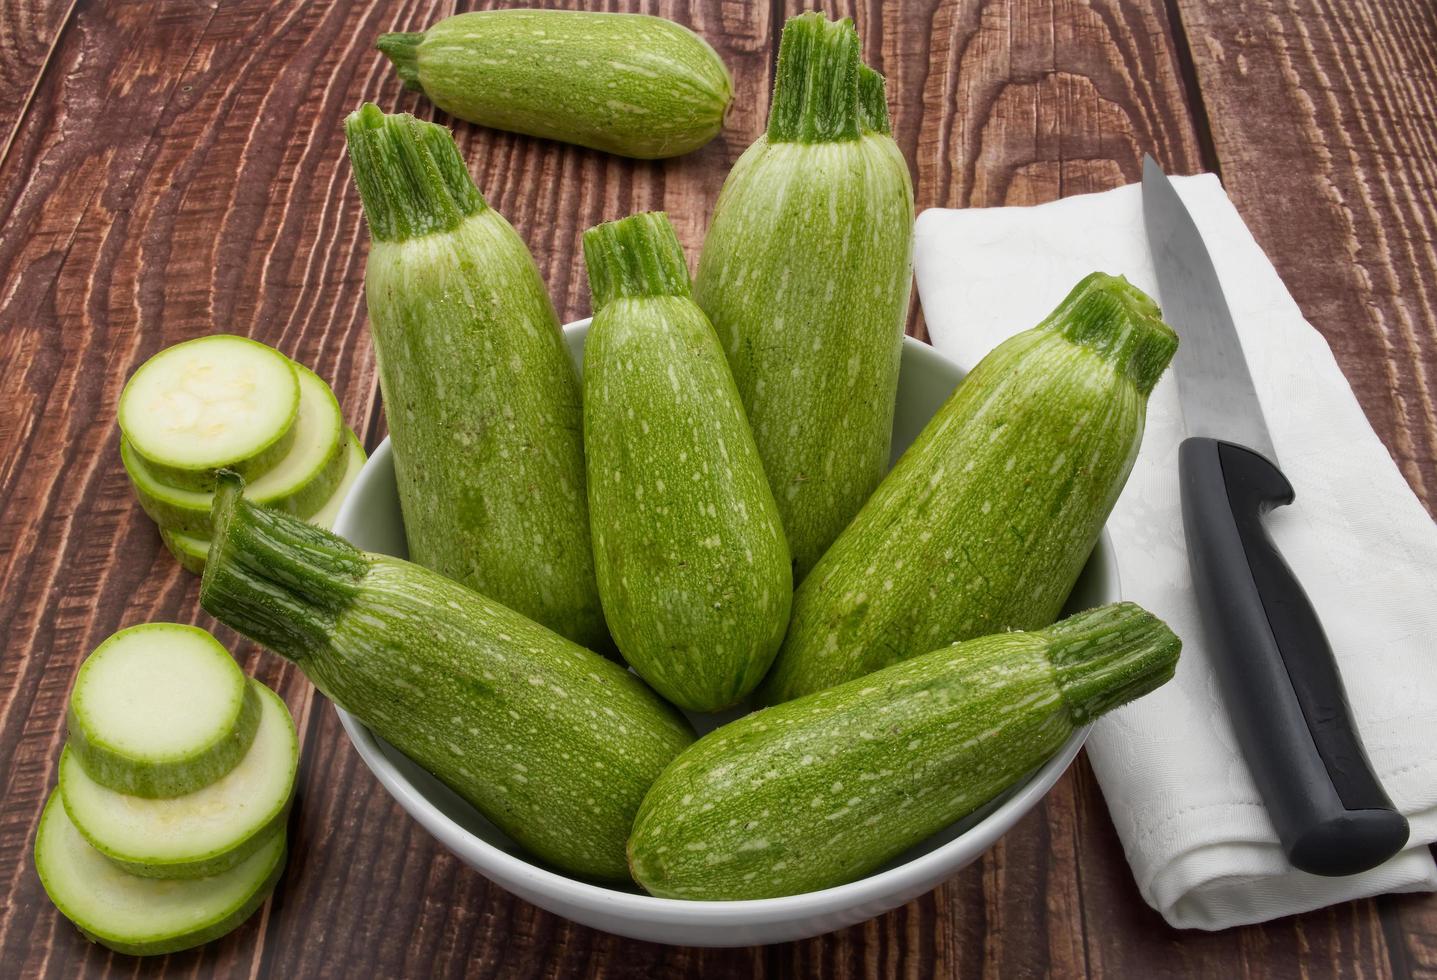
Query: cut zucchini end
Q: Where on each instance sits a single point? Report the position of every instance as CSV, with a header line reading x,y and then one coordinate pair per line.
x,y
145,916
203,833
815,89
635,256
217,401
402,48
1121,323
412,180
161,709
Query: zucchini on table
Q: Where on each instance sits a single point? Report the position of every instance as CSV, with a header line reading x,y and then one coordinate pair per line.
x,y
631,84
299,482
827,788
479,390
147,916
693,568
217,401
553,743
161,709
205,831
805,274
987,520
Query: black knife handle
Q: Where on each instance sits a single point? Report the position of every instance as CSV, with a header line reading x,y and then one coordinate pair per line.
x,y
1276,671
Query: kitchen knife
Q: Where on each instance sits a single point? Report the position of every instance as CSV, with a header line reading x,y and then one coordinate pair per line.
x,y
1274,666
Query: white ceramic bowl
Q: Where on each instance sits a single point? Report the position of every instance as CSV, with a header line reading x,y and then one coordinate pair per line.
x,y
370,518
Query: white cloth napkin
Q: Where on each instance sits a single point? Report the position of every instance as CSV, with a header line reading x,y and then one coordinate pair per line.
x,y
1192,824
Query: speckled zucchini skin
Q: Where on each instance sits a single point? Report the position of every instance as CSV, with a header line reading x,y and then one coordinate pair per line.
x,y
805,275
989,517
553,743
479,391
692,564
630,84
825,789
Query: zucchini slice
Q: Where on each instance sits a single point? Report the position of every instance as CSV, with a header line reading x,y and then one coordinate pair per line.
x,y
202,833
191,550
160,710
143,916
218,401
298,484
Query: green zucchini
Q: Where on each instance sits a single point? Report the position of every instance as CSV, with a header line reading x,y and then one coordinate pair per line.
x,y
989,517
217,401
191,550
553,743
202,833
630,84
161,709
146,916
823,790
693,568
298,483
481,395
805,274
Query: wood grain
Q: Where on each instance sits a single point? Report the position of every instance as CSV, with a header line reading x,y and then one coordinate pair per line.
x,y
178,169
29,31
1323,114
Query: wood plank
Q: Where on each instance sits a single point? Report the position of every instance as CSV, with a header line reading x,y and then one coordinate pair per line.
x,y
1324,118
29,32
180,174
1323,115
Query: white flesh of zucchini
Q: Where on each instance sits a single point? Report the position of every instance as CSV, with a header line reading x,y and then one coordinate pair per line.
x,y
202,833
215,401
161,709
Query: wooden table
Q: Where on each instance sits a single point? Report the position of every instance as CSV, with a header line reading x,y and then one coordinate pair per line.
x,y
173,169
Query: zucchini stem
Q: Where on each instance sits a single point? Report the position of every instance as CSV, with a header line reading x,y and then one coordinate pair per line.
x,y
1121,323
815,90
635,256
1106,657
276,578
872,102
402,48
411,178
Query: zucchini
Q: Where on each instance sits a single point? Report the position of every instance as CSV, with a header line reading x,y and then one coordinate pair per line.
x,y
692,565
553,743
211,402
987,520
805,274
161,709
630,84
823,790
191,550
145,916
299,483
202,833
481,395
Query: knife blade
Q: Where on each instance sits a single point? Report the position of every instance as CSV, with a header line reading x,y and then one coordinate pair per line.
x,y
1274,665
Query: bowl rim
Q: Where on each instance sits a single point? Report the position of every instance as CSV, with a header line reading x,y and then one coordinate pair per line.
x,y
510,869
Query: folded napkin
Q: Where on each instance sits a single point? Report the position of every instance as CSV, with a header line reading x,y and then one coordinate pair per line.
x,y
1192,824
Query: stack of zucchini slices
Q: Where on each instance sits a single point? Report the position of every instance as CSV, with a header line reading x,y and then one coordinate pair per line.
x,y
168,826
227,402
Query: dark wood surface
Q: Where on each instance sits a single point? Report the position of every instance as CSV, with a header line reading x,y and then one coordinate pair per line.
x,y
175,168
